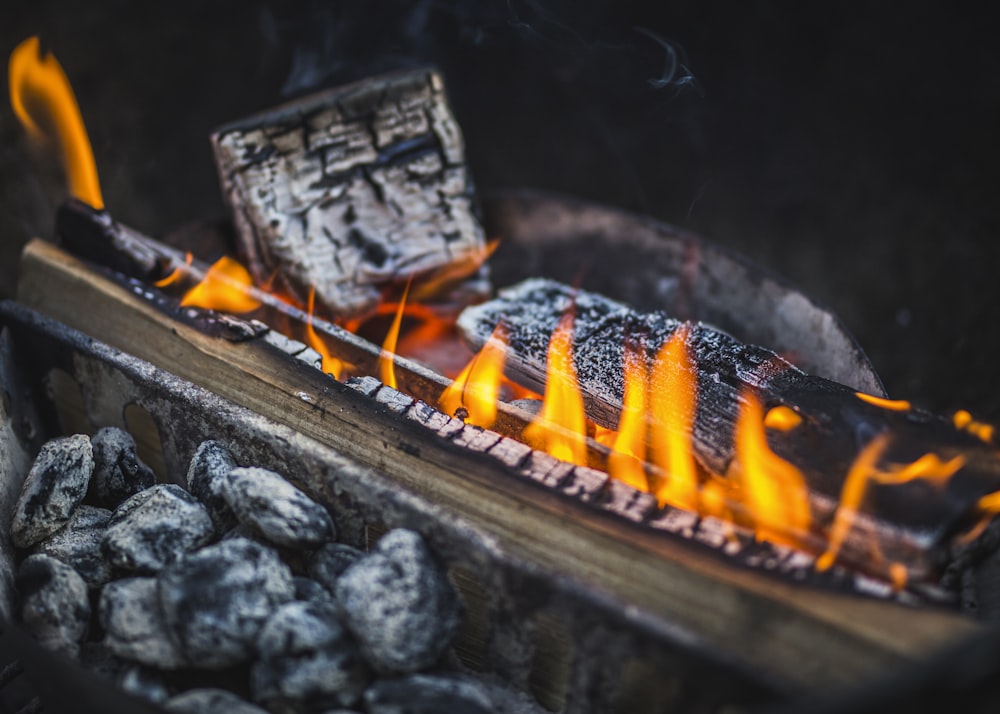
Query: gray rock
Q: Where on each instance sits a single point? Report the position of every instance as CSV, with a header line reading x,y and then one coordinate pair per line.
x,y
308,590
55,603
398,602
118,472
215,601
306,660
206,479
210,701
54,487
97,658
427,694
330,560
135,630
279,511
156,528
144,683
78,544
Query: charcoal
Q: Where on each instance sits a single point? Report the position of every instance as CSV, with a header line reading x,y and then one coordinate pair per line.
x,y
427,694
329,561
206,478
129,612
398,602
55,603
281,513
307,660
308,590
216,600
54,487
155,528
210,701
118,472
97,658
78,544
144,683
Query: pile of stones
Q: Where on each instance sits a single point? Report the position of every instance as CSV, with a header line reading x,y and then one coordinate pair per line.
x,y
151,585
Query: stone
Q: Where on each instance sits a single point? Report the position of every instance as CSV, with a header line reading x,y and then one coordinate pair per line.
x,y
280,512
328,561
210,701
156,528
55,603
427,694
308,590
206,479
306,660
54,487
118,471
129,612
78,544
216,600
398,602
144,683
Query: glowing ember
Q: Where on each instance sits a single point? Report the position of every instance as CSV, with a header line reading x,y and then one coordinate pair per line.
x,y
561,427
176,274
895,405
963,420
774,491
226,287
782,418
387,361
330,364
43,100
477,387
626,462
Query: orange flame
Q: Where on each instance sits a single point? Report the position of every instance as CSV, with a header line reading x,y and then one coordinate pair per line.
x,y
176,274
625,462
673,402
477,388
782,418
330,364
963,421
896,405
460,268
225,287
43,100
561,426
386,360
774,490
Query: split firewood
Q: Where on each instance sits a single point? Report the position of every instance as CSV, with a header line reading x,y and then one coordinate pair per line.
x,y
908,518
352,189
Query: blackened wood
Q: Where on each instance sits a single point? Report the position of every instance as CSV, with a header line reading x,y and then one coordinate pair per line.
x,y
351,189
911,523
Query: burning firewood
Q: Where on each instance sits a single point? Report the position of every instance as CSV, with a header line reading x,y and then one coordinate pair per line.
x,y
352,189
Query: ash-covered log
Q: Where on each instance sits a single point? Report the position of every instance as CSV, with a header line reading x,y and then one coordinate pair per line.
x,y
351,189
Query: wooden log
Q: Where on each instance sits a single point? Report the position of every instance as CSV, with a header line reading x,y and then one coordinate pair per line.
x,y
909,523
351,189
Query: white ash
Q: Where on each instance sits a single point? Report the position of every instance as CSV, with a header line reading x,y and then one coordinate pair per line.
x,y
118,471
216,600
399,603
55,603
279,511
307,660
210,701
427,694
78,544
328,561
156,528
129,612
206,479
54,487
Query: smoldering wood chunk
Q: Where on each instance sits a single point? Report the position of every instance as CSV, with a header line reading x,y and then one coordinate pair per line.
x,y
134,627
427,694
398,602
351,189
156,528
307,660
206,479
55,603
78,544
118,472
277,510
210,701
54,487
216,600
328,562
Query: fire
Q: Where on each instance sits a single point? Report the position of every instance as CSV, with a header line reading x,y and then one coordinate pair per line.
x,y
176,274
458,269
626,462
330,364
226,287
386,361
477,387
43,100
963,421
774,490
561,427
782,418
895,405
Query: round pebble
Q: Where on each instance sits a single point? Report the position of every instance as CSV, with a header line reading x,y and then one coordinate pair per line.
x,y
55,603
78,544
398,602
216,600
129,612
210,701
206,480
54,487
118,472
279,511
156,528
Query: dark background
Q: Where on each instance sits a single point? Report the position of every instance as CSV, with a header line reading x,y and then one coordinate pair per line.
x,y
851,149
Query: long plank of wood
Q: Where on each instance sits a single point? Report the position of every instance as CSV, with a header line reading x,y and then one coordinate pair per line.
x,y
799,636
